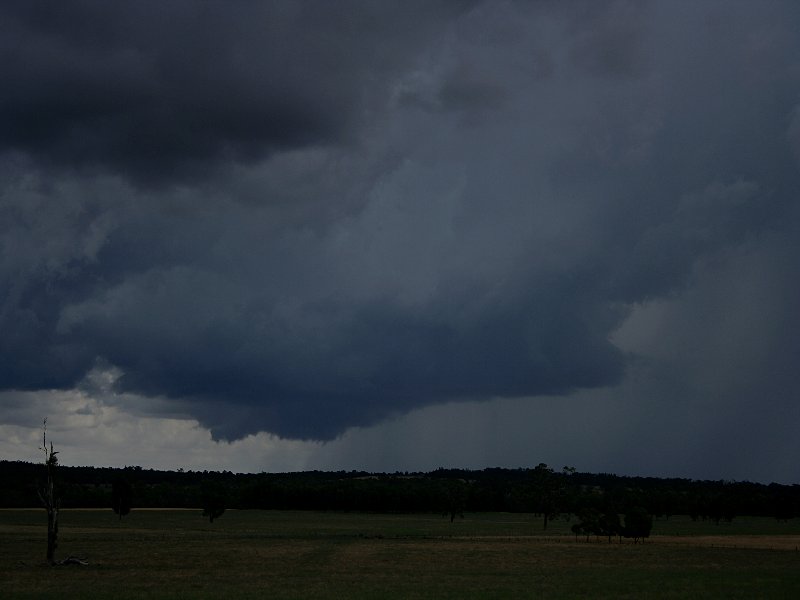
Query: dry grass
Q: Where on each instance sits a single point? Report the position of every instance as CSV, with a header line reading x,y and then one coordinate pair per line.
x,y
764,542
176,554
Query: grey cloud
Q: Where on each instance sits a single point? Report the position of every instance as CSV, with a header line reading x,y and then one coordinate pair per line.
x,y
170,92
608,41
710,394
325,283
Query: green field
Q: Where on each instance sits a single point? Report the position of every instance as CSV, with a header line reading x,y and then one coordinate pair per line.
x,y
178,554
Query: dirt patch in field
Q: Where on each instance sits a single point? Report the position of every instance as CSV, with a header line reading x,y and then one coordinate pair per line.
x,y
768,542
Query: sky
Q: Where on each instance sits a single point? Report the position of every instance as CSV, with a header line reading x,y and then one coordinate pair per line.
x,y
397,236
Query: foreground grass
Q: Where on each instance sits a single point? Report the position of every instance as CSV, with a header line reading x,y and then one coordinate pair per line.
x,y
177,554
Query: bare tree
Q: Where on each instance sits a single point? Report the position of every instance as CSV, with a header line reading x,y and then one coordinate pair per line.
x,y
49,495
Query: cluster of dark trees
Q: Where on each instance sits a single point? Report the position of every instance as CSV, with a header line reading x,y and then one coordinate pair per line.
x,y
540,490
637,524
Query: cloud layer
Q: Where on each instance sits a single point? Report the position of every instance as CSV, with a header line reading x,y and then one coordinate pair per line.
x,y
299,220
169,92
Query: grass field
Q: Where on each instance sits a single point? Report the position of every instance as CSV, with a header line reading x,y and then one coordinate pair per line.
x,y
178,554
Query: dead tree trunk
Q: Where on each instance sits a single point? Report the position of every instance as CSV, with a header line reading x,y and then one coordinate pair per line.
x,y
49,497
52,533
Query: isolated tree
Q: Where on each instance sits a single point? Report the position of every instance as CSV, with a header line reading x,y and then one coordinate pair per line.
x,y
48,494
121,496
214,500
455,499
548,490
638,524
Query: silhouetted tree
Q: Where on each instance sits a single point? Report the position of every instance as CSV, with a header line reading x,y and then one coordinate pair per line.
x,y
784,507
721,507
455,499
548,490
638,524
609,525
214,500
121,496
588,523
48,494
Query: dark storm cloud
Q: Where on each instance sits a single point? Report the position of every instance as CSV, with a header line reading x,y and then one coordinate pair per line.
x,y
420,207
166,91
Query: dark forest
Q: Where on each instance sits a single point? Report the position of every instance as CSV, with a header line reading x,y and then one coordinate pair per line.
x,y
541,490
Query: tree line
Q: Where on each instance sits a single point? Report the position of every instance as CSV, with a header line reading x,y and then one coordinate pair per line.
x,y
540,489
